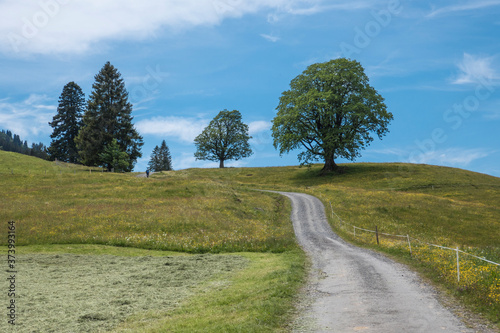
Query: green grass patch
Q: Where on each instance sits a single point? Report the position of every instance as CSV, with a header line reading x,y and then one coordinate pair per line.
x,y
256,299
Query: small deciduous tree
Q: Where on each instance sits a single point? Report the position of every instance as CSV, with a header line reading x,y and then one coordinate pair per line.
x,y
225,138
160,158
330,110
113,158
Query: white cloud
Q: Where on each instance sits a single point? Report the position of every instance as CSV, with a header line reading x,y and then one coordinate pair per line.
x,y
474,69
456,157
256,127
270,38
470,5
261,135
27,118
451,157
184,129
77,26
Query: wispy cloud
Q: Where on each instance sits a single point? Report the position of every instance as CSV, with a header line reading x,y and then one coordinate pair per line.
x,y
475,69
270,38
455,157
467,6
28,118
338,5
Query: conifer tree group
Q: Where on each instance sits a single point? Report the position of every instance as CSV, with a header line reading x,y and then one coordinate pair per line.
x,y
160,158
86,133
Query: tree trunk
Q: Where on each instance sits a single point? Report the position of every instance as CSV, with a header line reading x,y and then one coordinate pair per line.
x,y
329,165
221,164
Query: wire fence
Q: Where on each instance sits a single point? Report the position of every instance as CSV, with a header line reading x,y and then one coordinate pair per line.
x,y
409,241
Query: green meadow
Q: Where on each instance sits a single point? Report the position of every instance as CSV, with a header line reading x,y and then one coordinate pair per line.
x,y
239,241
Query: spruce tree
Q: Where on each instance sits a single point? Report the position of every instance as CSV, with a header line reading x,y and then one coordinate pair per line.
x,y
115,157
66,124
108,116
160,158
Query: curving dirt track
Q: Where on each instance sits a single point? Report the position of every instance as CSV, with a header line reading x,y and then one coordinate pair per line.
x,y
357,290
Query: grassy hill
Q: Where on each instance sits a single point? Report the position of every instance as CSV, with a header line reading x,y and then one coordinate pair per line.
x,y
213,210
66,215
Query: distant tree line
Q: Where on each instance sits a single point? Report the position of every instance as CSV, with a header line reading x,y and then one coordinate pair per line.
x,y
12,142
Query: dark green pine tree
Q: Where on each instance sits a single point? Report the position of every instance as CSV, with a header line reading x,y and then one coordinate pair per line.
x,y
160,158
67,123
108,116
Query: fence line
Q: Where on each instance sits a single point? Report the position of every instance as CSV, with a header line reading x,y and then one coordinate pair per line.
x,y
456,250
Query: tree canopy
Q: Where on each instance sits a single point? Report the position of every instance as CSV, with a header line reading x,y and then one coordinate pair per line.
x,y
160,158
330,110
67,123
108,116
225,138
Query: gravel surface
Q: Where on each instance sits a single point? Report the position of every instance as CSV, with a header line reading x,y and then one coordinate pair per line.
x,y
357,290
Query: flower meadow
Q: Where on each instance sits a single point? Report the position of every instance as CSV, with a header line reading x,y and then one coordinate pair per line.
x,y
177,211
474,276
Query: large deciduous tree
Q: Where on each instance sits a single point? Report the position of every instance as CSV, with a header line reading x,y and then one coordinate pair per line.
x,y
225,138
67,123
108,116
160,158
331,110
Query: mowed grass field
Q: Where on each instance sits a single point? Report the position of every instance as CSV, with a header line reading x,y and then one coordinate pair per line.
x,y
199,211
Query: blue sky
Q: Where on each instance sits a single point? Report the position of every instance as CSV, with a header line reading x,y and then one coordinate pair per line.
x,y
436,63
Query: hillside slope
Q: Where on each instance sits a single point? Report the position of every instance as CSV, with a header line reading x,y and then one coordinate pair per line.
x,y
218,210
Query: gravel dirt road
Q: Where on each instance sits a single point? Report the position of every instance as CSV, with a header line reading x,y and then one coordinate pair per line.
x,y
357,290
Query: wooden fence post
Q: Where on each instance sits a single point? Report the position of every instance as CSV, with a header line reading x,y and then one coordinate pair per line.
x,y
376,234
409,244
